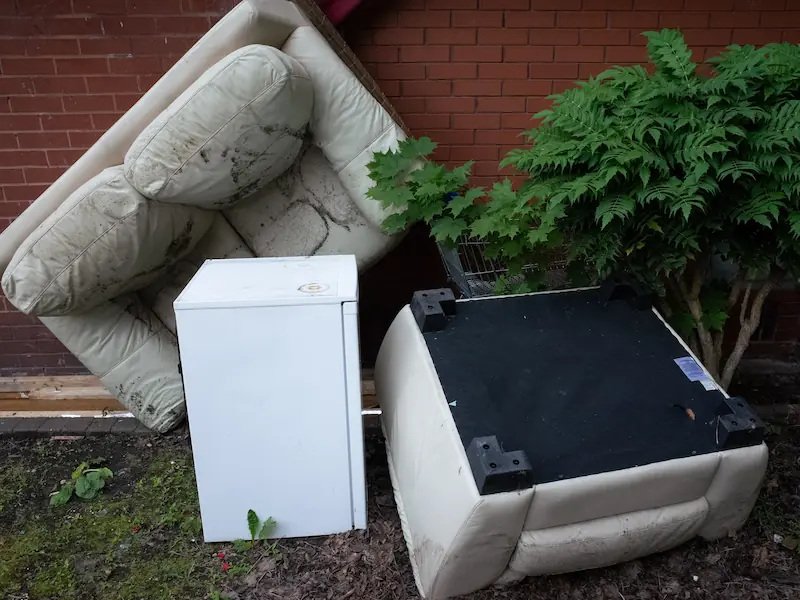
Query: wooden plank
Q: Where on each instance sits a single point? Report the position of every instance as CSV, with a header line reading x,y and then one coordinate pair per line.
x,y
26,384
60,405
83,393
29,414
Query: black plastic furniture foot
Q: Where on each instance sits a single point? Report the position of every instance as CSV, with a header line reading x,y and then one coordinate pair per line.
x,y
432,307
738,425
496,471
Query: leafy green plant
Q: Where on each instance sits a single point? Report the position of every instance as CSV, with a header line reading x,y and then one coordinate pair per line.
x,y
259,530
665,173
86,483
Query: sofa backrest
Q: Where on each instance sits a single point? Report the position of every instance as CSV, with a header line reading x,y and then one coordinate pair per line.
x,y
268,22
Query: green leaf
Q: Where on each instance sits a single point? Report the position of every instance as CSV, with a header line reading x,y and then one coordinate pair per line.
x,y
79,471
192,525
88,485
63,495
105,473
474,193
541,234
794,224
431,190
458,177
267,529
683,324
715,320
483,226
448,228
395,223
736,169
387,166
669,53
644,175
652,224
252,523
430,172
392,196
242,546
502,192
461,203
619,207
416,148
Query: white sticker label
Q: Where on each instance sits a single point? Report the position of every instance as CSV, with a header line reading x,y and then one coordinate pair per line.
x,y
694,372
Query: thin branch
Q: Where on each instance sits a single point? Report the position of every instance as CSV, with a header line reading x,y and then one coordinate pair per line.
x,y
699,276
719,338
736,290
664,308
745,300
749,325
710,360
694,345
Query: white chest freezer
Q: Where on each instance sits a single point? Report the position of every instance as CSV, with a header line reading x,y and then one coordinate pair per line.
x,y
270,360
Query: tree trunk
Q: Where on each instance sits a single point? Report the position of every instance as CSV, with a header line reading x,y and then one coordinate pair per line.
x,y
749,320
690,294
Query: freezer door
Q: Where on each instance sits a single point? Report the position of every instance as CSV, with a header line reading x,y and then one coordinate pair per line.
x,y
265,392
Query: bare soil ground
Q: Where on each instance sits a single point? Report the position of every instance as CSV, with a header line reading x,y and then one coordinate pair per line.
x,y
140,539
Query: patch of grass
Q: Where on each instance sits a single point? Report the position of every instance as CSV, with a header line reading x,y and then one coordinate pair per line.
x,y
56,580
13,478
772,517
143,543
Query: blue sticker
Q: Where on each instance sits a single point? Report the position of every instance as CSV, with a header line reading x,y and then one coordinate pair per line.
x,y
694,372
690,368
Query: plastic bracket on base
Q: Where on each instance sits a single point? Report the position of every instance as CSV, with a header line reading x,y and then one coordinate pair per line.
x,y
432,307
737,425
624,287
496,471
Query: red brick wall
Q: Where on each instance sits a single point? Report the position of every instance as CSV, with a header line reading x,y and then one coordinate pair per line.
x,y
68,70
468,73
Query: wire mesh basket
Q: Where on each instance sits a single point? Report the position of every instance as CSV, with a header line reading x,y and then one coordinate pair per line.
x,y
476,275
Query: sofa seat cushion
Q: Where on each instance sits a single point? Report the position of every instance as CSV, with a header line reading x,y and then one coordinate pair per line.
x,y
236,128
306,211
106,239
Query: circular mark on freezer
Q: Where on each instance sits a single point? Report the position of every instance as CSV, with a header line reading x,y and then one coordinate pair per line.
x,y
314,288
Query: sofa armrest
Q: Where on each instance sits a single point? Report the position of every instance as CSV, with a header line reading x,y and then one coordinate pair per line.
x,y
348,123
458,540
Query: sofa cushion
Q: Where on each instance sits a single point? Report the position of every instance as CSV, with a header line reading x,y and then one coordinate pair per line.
x,y
306,211
104,240
236,128
221,241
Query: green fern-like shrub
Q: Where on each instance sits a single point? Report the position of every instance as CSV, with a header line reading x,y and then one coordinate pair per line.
x,y
659,172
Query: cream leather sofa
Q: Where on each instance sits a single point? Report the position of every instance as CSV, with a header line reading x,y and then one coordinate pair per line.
x,y
123,328
460,541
